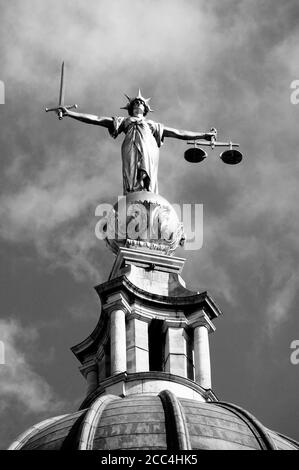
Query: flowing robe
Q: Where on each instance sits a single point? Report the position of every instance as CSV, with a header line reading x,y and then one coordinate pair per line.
x,y
140,151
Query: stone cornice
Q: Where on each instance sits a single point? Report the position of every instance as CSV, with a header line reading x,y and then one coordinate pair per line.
x,y
201,319
88,345
146,259
138,316
208,395
174,323
190,302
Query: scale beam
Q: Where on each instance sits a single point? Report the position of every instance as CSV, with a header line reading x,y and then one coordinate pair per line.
x,y
212,144
196,154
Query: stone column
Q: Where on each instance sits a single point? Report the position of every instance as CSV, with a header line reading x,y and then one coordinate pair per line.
x,y
202,356
101,365
176,352
90,371
118,341
137,346
92,379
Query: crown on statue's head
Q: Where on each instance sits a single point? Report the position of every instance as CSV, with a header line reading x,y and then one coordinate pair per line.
x,y
145,101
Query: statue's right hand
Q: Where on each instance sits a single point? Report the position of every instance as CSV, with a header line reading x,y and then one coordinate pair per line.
x,y
63,110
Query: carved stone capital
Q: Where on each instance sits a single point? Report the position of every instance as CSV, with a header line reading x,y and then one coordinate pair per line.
x,y
90,366
117,301
200,318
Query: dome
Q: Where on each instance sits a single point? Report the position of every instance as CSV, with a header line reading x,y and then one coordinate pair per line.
x,y
153,422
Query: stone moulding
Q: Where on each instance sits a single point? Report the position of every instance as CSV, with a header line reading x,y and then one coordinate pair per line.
x,y
163,377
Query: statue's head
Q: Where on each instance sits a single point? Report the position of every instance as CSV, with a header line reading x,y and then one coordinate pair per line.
x,y
138,104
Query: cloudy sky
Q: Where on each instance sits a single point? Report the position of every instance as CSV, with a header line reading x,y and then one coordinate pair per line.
x,y
222,63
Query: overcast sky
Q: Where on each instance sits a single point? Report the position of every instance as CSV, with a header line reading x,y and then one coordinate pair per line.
x,y
222,63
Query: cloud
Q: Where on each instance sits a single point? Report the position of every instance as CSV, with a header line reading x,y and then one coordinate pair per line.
x,y
19,383
54,210
281,302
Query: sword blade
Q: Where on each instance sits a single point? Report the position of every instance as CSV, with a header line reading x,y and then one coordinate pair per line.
x,y
61,92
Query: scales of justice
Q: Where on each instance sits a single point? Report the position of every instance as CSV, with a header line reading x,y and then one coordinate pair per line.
x,y
157,226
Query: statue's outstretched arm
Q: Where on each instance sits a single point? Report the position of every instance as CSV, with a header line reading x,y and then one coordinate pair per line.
x,y
186,135
88,118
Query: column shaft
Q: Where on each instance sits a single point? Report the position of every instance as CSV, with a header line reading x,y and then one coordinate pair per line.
x,y
202,357
92,380
118,342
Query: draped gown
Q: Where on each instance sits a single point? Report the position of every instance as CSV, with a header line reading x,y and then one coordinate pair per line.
x,y
140,152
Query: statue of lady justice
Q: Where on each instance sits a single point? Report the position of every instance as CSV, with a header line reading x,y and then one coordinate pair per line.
x,y
143,138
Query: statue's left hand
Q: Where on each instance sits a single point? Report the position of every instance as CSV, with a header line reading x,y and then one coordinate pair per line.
x,y
212,134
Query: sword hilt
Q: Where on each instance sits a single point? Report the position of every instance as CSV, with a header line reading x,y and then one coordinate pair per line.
x,y
58,110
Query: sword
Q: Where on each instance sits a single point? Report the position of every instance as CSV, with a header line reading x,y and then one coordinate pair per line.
x,y
61,98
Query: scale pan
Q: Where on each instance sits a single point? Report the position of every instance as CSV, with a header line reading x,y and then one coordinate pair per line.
x,y
195,155
231,157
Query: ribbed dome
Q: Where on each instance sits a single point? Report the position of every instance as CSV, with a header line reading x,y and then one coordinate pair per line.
x,y
150,422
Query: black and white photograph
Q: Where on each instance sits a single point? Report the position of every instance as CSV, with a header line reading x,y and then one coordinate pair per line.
x,y
149,227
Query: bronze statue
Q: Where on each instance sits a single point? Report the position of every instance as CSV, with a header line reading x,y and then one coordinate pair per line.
x,y
143,138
